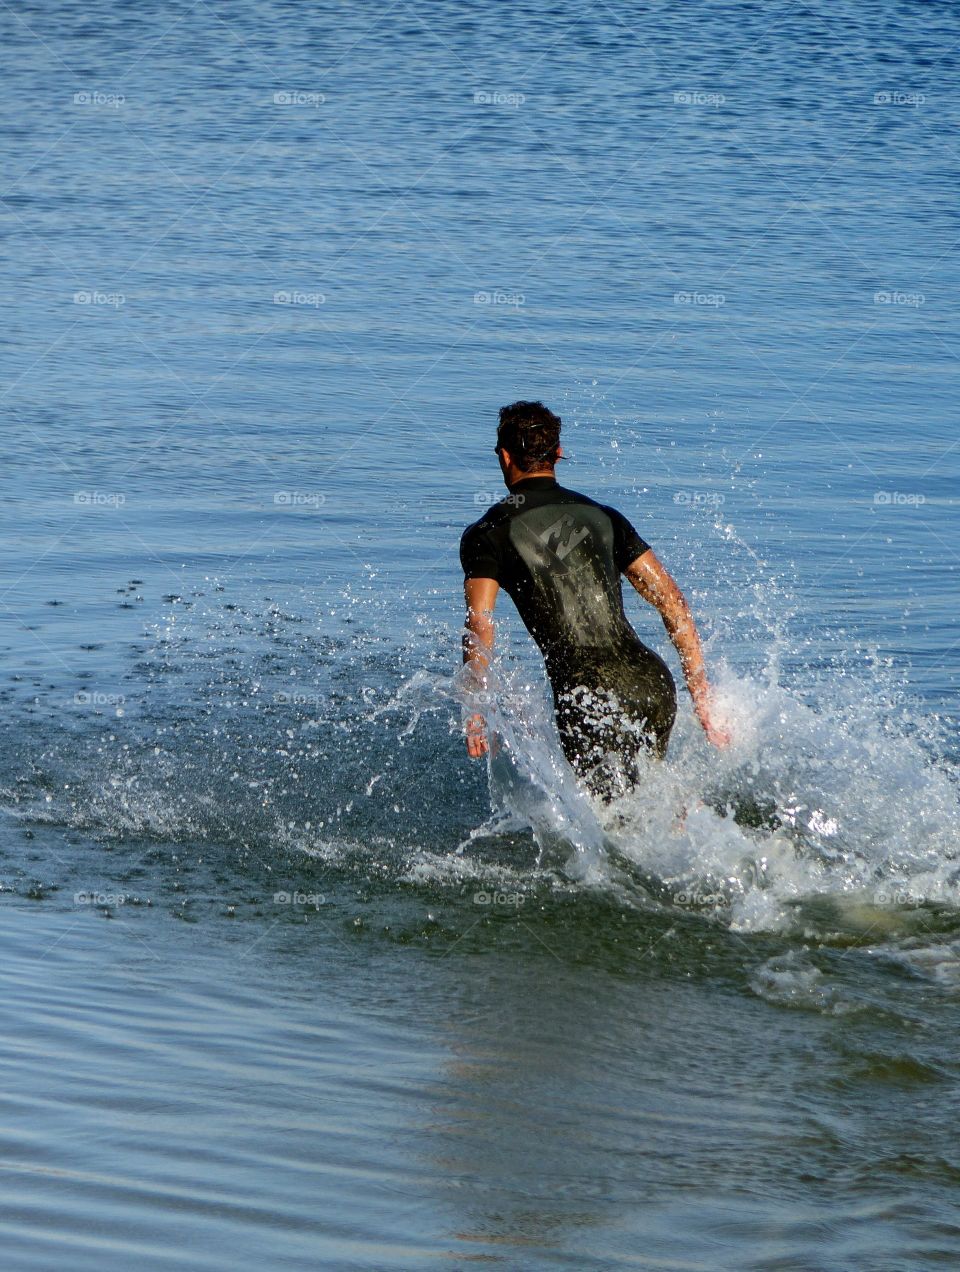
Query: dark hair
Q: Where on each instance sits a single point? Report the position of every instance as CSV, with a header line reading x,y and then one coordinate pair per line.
x,y
531,434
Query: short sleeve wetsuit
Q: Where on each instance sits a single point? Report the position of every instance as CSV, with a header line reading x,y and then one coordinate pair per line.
x,y
559,555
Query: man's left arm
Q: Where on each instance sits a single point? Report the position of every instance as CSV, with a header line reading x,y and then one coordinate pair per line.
x,y
655,585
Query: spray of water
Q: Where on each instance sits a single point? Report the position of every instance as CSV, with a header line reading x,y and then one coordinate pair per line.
x,y
814,803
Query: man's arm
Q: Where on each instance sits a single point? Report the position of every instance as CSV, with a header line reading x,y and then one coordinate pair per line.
x,y
481,597
655,585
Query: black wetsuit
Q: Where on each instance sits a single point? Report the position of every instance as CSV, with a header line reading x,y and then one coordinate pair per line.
x,y
560,555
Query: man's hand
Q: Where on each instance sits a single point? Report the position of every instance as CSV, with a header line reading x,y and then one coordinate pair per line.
x,y
476,729
717,734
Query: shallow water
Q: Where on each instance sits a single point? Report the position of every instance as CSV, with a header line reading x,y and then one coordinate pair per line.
x,y
286,981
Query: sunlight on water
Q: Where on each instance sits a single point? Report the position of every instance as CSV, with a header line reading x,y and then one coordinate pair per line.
x,y
287,979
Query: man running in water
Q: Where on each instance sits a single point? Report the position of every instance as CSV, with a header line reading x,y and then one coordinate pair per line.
x,y
560,555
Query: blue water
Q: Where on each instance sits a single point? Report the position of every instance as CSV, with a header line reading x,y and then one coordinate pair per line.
x,y
287,981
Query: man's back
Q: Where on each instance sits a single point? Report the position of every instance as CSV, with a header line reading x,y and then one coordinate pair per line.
x,y
559,555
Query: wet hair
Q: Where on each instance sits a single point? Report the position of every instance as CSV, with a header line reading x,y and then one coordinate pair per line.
x,y
530,432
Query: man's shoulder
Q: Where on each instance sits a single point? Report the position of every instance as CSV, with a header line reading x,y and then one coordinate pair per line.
x,y
622,526
482,547
493,517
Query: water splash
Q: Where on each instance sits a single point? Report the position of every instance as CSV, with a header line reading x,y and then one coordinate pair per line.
x,y
815,801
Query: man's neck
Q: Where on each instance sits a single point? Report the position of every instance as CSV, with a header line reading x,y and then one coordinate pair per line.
x,y
515,478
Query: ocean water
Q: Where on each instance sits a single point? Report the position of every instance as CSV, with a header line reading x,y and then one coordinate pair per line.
x,y
287,981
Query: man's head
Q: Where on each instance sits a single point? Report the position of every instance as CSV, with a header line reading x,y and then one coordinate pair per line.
x,y
528,440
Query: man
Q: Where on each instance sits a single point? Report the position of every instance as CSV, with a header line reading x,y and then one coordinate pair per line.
x,y
560,556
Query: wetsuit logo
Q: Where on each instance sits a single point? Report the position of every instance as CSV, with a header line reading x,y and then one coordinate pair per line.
x,y
563,536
